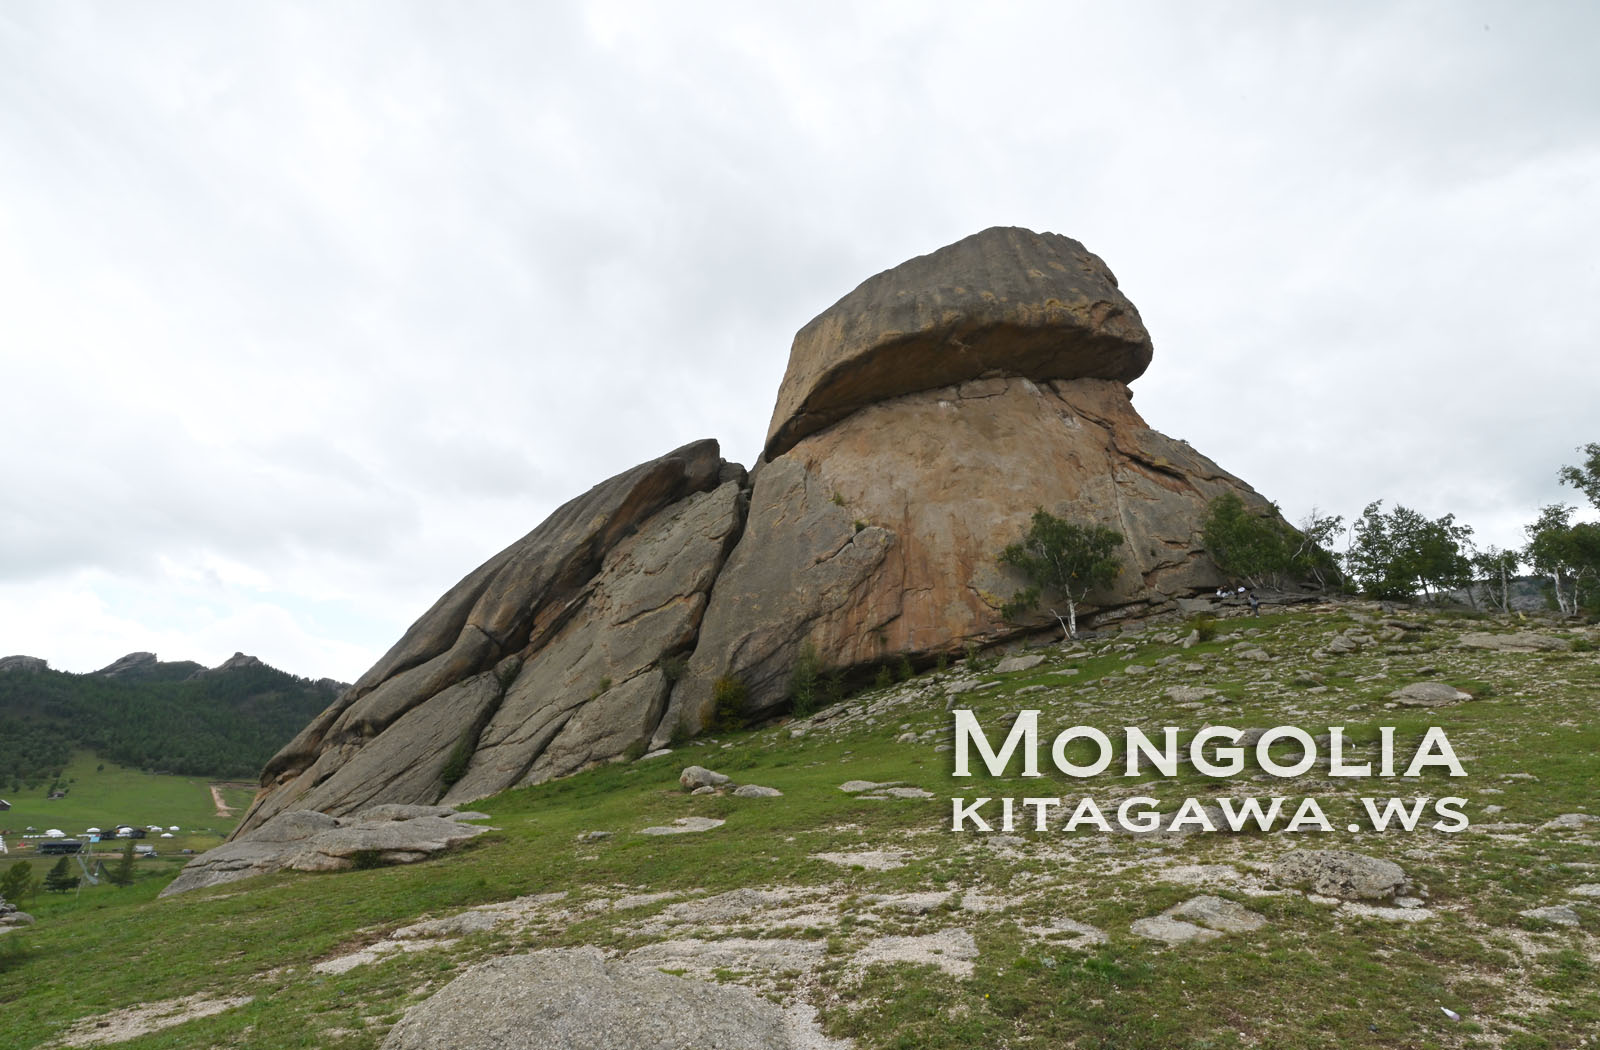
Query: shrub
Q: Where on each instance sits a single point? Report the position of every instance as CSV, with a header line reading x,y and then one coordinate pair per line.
x,y
672,667
903,669
728,696
455,766
1205,627
805,681
883,679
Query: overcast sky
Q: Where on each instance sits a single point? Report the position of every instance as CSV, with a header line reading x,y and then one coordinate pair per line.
x,y
310,308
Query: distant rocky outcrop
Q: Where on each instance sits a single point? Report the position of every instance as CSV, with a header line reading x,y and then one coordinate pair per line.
x,y
133,663
922,419
23,663
236,662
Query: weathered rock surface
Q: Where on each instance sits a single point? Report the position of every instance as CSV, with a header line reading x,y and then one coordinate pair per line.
x,y
1340,873
868,547
1005,300
577,999
23,663
305,840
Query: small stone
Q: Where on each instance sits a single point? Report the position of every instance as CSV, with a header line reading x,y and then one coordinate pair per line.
x,y
756,791
594,836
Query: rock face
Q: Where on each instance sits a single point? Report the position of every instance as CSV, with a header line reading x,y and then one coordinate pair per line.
x,y
523,633
922,420
23,663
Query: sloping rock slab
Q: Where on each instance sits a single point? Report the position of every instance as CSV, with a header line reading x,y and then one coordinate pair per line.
x,y
577,999
506,609
305,840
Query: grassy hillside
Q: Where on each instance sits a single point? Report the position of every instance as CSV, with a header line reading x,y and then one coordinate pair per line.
x,y
220,724
907,934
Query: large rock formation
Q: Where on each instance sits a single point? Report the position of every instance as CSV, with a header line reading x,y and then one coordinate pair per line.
x,y
922,420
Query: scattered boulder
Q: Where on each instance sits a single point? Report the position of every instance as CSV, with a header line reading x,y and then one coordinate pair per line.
x,y
1019,663
306,840
756,791
1340,873
1428,694
577,999
1557,914
684,826
11,916
699,776
1569,822
1199,919
1520,642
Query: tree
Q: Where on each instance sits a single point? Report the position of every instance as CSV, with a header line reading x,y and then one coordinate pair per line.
x,y
122,874
1568,553
1585,478
1493,570
18,881
1394,555
1264,550
1064,558
60,879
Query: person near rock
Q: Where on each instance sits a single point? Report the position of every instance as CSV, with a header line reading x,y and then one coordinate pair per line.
x,y
1255,604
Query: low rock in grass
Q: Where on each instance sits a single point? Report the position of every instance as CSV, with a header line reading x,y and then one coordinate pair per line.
x,y
1556,914
1340,873
578,999
1428,694
699,776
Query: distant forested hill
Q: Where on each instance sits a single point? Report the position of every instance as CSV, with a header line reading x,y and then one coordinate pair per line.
x,y
165,717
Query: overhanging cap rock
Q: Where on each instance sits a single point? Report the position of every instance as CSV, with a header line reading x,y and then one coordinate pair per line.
x,y
1005,300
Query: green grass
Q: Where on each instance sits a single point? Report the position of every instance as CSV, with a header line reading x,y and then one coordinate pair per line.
x,y
1312,978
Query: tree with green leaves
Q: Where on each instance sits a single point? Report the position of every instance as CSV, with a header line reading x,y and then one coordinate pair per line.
x,y
60,879
1059,557
1265,551
18,881
1568,553
1585,477
122,874
1396,554
1493,570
